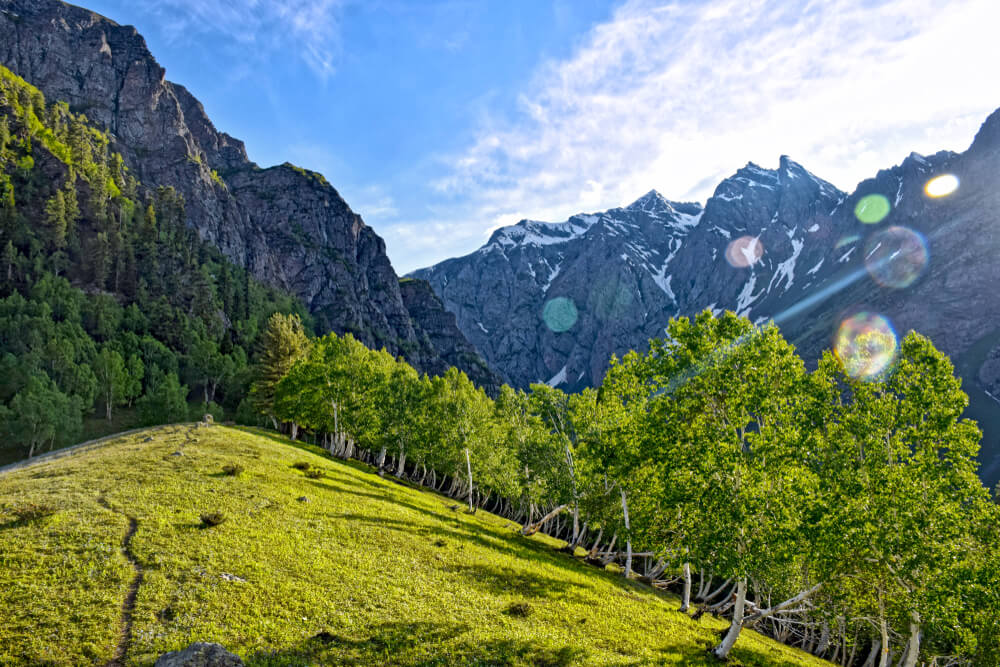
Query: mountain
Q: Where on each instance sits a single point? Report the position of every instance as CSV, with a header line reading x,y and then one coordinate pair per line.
x,y
285,224
551,302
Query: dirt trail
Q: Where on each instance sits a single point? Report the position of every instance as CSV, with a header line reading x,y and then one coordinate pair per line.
x,y
128,606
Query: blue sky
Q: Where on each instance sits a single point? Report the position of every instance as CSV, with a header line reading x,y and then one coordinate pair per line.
x,y
440,120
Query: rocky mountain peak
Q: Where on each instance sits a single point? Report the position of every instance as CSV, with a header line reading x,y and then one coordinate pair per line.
x,y
289,226
987,139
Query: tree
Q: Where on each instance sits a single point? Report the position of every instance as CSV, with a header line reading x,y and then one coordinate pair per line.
x,y
282,343
899,463
726,396
112,378
165,400
55,219
40,414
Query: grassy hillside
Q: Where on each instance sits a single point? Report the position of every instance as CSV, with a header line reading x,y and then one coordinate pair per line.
x,y
346,568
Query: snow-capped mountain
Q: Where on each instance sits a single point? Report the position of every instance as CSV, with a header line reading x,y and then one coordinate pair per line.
x,y
552,302
626,271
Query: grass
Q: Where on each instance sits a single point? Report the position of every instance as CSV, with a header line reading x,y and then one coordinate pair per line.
x,y
367,571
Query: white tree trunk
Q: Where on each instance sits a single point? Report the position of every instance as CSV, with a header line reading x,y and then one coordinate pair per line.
x,y
884,631
628,540
400,467
686,599
722,650
533,528
873,654
913,646
295,430
597,542
468,466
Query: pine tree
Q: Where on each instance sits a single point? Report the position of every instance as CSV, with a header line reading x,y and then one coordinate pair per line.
x,y
55,219
282,344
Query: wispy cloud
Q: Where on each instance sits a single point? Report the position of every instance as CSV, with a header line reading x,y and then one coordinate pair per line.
x,y
310,28
676,96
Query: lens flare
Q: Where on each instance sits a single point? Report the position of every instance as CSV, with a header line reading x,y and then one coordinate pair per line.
x,y
941,186
872,209
560,314
744,251
896,257
866,345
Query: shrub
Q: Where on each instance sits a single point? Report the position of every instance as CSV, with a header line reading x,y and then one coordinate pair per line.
x,y
212,518
232,469
301,465
314,473
33,511
521,609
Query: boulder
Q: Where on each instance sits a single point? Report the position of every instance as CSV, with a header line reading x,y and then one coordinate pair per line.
x,y
200,654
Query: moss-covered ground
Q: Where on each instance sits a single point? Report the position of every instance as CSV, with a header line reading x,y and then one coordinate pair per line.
x,y
347,568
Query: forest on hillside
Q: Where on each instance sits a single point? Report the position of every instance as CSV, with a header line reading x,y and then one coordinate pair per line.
x,y
107,298
838,510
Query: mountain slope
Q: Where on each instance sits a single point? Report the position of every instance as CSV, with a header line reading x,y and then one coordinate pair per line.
x,y
797,252
288,226
390,574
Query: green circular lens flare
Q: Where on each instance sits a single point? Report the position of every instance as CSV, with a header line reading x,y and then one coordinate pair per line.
x,y
872,209
560,314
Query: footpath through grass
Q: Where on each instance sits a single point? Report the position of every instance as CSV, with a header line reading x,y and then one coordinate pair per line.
x,y
346,568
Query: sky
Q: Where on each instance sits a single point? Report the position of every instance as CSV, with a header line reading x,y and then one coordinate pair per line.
x,y
441,120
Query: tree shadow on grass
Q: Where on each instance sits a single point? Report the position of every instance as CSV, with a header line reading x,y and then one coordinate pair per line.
x,y
508,581
417,644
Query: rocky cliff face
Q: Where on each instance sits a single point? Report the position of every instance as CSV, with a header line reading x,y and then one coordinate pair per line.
x,y
436,328
288,225
552,302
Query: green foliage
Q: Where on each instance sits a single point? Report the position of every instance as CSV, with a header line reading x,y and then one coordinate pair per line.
x,y
97,269
165,400
282,343
717,450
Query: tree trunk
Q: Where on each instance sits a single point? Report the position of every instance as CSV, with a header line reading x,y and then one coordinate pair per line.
x,y
593,549
610,556
884,631
107,404
722,650
764,613
381,461
628,537
913,646
532,528
686,599
468,466
401,464
274,422
873,654
824,639
295,431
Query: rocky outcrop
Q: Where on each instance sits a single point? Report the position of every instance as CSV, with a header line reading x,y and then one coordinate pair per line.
x,y
552,302
200,654
286,224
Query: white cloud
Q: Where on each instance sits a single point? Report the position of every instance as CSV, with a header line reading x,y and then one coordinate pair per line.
x,y
677,96
261,27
